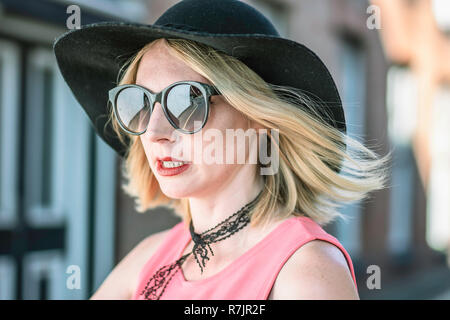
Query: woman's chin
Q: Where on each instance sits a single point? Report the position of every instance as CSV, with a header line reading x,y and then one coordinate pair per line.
x,y
176,192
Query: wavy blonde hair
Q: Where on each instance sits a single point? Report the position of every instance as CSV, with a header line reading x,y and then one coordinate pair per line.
x,y
305,184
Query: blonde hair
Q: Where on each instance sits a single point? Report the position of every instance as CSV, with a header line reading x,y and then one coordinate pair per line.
x,y
309,149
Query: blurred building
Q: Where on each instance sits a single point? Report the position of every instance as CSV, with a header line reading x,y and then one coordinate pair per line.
x,y
61,203
415,36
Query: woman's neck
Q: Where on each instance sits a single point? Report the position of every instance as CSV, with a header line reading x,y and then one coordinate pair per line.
x,y
208,211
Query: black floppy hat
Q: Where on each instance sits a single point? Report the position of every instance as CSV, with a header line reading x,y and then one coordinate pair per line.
x,y
90,58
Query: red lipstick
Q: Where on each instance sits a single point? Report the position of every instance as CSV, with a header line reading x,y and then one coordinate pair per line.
x,y
163,171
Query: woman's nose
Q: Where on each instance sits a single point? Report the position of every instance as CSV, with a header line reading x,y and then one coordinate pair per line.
x,y
159,128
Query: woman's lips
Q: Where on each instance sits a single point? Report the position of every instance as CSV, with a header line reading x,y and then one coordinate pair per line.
x,y
164,171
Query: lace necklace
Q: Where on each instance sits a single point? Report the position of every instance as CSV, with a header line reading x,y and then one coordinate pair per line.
x,y
156,285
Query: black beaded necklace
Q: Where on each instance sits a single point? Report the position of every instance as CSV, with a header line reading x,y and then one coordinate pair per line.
x,y
232,224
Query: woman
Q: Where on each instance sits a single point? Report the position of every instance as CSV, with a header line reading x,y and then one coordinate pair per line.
x,y
244,234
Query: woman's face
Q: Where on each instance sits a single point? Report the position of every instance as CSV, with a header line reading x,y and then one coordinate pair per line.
x,y
157,70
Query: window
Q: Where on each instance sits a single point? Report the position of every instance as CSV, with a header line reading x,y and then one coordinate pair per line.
x,y
42,136
401,105
441,11
438,210
56,177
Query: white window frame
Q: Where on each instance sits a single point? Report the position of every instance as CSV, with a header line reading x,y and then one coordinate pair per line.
x,y
8,278
9,109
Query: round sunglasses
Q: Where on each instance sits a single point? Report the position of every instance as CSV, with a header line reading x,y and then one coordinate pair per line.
x,y
184,103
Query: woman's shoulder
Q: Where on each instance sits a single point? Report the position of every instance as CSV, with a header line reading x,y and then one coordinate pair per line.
x,y
150,244
317,270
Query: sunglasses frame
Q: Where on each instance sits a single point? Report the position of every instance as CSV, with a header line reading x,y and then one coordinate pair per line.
x,y
206,89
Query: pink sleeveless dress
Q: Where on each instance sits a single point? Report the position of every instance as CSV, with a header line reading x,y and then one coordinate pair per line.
x,y
249,277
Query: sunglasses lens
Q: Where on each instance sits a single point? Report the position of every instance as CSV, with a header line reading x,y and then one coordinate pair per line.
x,y
186,106
133,109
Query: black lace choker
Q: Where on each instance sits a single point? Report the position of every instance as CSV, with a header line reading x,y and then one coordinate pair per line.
x,y
158,282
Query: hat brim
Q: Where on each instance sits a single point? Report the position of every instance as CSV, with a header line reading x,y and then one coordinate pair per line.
x,y
89,59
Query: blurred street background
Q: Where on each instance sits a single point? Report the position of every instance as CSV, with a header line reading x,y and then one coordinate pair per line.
x,y
61,204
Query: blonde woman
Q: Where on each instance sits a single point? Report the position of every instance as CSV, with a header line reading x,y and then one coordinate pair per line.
x,y
249,229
